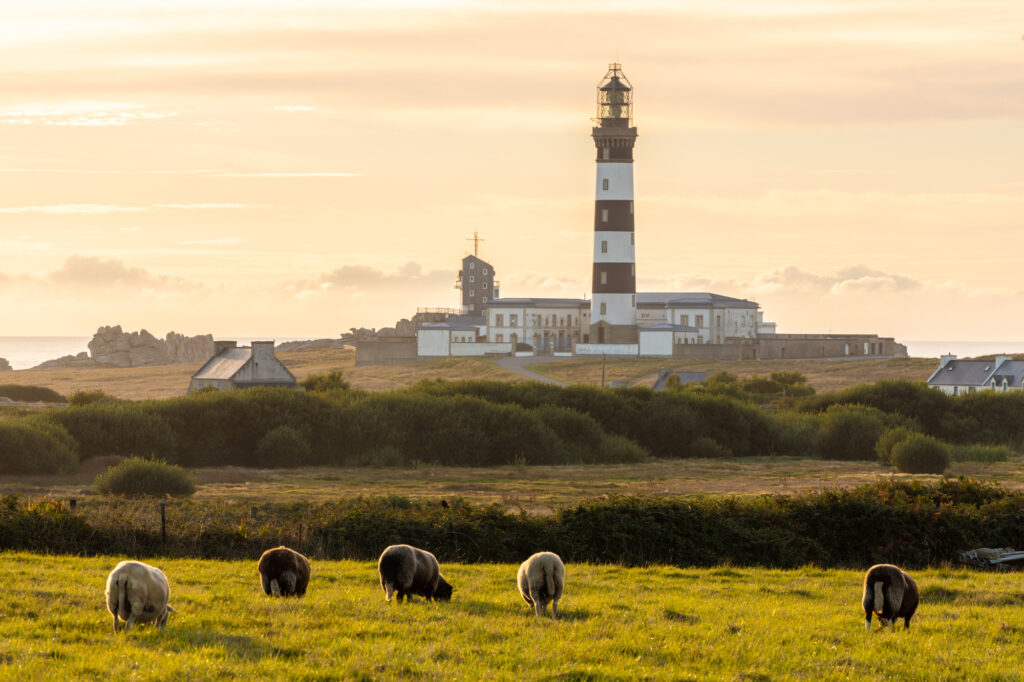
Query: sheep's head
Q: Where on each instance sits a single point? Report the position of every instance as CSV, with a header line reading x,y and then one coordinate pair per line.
x,y
443,591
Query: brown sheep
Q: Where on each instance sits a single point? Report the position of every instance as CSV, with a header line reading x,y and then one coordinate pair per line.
x,y
891,593
283,572
407,571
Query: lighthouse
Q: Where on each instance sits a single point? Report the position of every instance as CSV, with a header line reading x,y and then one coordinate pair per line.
x,y
613,306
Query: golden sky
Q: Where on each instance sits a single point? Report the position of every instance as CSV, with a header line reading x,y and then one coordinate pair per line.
x,y
297,168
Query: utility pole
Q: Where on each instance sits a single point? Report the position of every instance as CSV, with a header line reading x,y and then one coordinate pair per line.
x,y
603,358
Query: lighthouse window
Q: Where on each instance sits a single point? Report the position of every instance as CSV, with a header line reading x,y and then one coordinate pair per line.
x,y
604,247
632,269
631,208
606,153
604,184
604,215
604,308
632,238
633,300
604,277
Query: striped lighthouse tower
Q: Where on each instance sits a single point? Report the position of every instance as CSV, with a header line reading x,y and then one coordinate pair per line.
x,y
613,307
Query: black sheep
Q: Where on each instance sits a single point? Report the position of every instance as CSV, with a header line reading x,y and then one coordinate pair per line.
x,y
407,571
284,572
891,593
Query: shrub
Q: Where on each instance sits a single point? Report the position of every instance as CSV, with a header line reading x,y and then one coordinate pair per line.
x,y
618,450
980,453
920,454
886,442
282,447
123,429
136,477
331,381
30,394
849,432
36,447
796,434
707,448
80,398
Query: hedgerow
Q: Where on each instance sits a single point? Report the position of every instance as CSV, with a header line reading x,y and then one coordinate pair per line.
x,y
907,523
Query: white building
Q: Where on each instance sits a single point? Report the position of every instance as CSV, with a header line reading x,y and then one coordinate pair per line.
x,y
232,367
547,325
957,377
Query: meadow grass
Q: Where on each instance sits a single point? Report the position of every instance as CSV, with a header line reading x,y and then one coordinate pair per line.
x,y
654,623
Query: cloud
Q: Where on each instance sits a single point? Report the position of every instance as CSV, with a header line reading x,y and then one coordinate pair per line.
x,y
211,172
357,279
73,209
848,281
80,113
87,271
223,241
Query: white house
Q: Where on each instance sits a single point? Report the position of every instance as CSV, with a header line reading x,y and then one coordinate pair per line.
x,y
716,318
546,324
957,377
455,339
232,367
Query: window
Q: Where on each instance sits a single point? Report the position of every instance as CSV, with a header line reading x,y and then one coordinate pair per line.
x,y
606,153
472,278
499,320
499,338
604,308
604,246
604,278
632,269
699,321
684,320
472,307
631,208
513,320
484,285
604,215
472,293
633,303
604,184
472,265
483,271
484,299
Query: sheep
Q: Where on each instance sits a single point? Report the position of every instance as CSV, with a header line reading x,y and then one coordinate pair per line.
x,y
891,593
407,571
541,579
283,571
138,593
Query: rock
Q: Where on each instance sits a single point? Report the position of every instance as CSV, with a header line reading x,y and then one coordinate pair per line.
x,y
181,348
111,346
80,360
5,366
288,346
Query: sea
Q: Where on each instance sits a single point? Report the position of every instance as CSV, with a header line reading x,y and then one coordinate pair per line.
x,y
25,352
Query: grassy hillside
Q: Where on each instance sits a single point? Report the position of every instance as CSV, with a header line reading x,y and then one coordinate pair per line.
x,y
653,623
166,381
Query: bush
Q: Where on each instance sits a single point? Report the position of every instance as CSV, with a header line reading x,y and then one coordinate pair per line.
x,y
36,447
282,447
136,477
980,453
707,448
80,398
849,432
30,394
920,454
886,442
332,381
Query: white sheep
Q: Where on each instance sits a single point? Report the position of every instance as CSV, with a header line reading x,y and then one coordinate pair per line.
x,y
138,593
541,580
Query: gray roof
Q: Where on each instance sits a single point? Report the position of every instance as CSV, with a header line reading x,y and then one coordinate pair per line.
x,y
698,299
537,303
963,373
1012,371
467,319
224,365
685,377
666,327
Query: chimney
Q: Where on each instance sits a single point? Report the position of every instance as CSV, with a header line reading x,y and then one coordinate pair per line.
x,y
221,346
262,351
945,360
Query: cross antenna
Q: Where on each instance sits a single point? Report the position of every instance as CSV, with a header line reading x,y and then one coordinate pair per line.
x,y
476,239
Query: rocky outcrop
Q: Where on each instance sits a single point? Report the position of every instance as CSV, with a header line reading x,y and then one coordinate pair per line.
x,y
5,366
288,346
113,347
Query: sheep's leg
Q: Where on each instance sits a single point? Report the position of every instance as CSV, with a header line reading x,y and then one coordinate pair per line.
x,y
131,621
554,609
117,624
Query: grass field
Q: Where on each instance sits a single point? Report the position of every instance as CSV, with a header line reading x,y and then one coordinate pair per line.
x,y
653,623
533,488
165,381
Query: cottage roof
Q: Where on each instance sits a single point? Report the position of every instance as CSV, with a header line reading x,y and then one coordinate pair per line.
x,y
1011,370
963,373
693,299
225,364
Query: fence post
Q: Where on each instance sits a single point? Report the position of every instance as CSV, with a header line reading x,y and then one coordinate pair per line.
x,y
300,537
163,522
72,505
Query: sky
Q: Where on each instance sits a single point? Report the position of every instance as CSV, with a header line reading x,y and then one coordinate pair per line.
x,y
296,169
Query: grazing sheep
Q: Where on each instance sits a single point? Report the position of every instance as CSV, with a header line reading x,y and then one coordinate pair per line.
x,y
891,593
138,593
541,580
407,571
283,572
